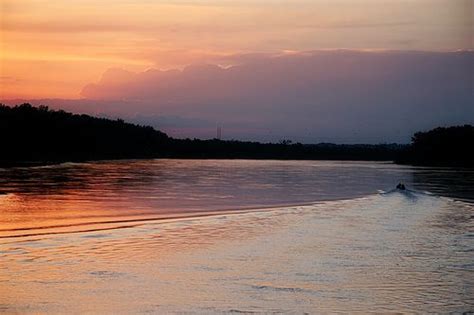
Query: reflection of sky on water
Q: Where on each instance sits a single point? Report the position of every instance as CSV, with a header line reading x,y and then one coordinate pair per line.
x,y
382,253
81,194
85,238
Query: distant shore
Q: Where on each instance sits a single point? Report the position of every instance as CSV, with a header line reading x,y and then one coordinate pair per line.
x,y
40,136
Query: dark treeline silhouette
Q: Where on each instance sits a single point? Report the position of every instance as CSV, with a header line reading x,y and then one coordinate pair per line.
x,y
241,150
39,135
451,146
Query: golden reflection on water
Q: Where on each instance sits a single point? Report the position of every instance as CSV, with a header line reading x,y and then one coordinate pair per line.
x,y
380,253
151,236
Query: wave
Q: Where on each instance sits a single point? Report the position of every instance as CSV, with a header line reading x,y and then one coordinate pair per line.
x,y
136,219
113,223
414,194
103,225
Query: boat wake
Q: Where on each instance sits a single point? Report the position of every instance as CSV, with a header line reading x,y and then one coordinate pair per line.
x,y
115,222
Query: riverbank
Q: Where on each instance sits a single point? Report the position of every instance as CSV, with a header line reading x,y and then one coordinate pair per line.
x,y
40,136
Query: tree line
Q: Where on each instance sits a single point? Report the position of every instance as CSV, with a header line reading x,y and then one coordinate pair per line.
x,y
442,146
39,135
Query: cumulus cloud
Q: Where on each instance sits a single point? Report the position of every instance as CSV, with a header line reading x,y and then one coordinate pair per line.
x,y
340,96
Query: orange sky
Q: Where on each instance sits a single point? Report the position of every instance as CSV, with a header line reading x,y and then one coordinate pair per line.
x,y
51,49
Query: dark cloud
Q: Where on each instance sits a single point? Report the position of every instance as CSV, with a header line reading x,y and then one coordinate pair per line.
x,y
338,96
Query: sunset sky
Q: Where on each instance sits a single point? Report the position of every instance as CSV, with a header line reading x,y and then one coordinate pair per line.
x,y
65,49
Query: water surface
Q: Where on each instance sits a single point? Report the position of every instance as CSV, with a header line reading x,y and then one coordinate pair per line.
x,y
169,236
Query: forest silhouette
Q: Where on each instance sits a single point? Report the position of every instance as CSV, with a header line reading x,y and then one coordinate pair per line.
x,y
442,146
39,135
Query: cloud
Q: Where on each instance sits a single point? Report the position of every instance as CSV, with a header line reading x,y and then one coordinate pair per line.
x,y
338,96
343,94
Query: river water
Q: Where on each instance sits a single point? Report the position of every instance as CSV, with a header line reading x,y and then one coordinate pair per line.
x,y
226,236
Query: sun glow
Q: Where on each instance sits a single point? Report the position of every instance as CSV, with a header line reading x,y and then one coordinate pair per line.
x,y
53,49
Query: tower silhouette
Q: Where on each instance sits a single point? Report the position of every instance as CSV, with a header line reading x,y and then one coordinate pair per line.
x,y
218,133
